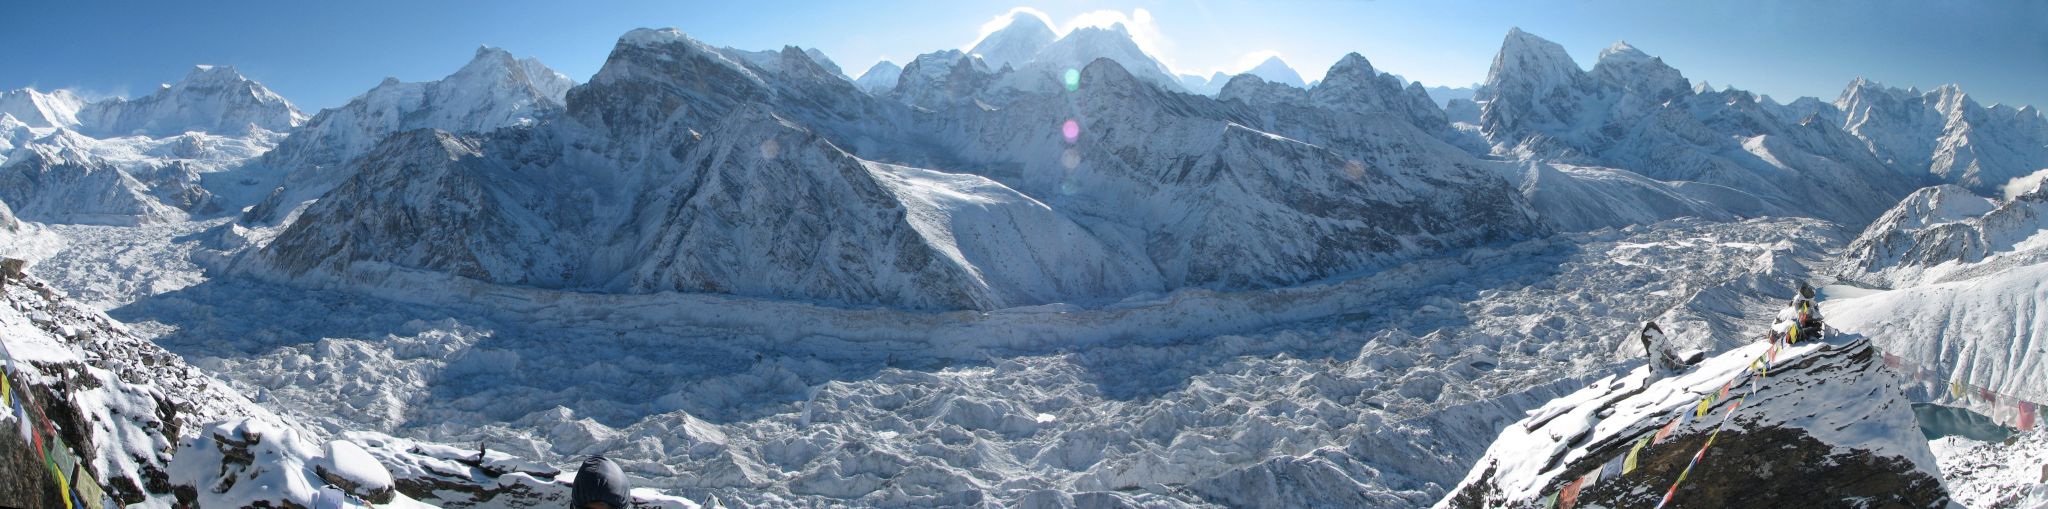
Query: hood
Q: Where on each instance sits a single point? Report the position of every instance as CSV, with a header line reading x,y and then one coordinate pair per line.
x,y
600,480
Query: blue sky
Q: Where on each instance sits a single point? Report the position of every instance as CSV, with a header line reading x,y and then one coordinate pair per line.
x,y
319,54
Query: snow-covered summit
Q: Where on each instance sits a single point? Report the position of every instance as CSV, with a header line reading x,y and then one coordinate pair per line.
x,y
212,99
34,108
1945,134
1084,45
1016,43
880,78
1274,70
493,90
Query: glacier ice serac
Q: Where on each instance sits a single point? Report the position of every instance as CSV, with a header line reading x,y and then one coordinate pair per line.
x,y
1043,270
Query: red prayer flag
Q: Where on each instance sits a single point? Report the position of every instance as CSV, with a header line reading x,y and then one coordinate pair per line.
x,y
2026,416
1570,495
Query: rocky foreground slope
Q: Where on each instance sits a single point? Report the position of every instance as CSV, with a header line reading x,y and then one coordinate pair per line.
x,y
1828,426
140,427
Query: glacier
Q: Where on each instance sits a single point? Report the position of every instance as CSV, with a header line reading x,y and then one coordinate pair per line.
x,y
1042,271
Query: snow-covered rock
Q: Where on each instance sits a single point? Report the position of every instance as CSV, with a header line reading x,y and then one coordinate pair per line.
x,y
33,108
880,79
1633,112
212,99
493,90
659,183
1945,233
1987,474
1016,43
1274,70
1767,442
1945,134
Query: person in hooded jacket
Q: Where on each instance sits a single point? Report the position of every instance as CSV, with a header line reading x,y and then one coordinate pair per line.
x,y
600,484
1801,319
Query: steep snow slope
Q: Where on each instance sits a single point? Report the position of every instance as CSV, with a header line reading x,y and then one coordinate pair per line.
x,y
1016,43
1945,133
775,211
212,99
1580,198
151,158
1223,198
1274,70
1983,332
493,90
1766,442
56,108
1634,113
1083,46
1160,183
1944,233
157,432
880,79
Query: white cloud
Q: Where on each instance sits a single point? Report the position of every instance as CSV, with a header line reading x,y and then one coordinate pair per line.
x,y
2021,185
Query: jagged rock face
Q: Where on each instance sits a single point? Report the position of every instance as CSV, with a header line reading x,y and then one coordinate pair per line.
x,y
1945,233
941,79
1944,133
33,108
1634,113
493,90
431,200
1083,46
121,401
57,185
880,78
643,191
1533,85
1861,446
1353,86
770,209
655,79
1233,207
213,99
1016,43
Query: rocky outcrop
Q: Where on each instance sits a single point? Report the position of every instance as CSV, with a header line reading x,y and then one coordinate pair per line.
x,y
1777,446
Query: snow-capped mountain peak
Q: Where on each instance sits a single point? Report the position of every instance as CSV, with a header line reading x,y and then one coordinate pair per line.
x,y
1276,71
1622,51
34,108
1084,45
1525,57
211,98
880,78
493,90
1016,43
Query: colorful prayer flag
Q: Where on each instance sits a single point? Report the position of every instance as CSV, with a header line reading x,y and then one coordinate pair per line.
x,y
2026,416
1570,495
1666,431
89,492
1635,454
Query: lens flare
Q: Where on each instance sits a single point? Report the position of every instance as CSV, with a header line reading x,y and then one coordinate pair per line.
x,y
1070,158
1073,79
1071,130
